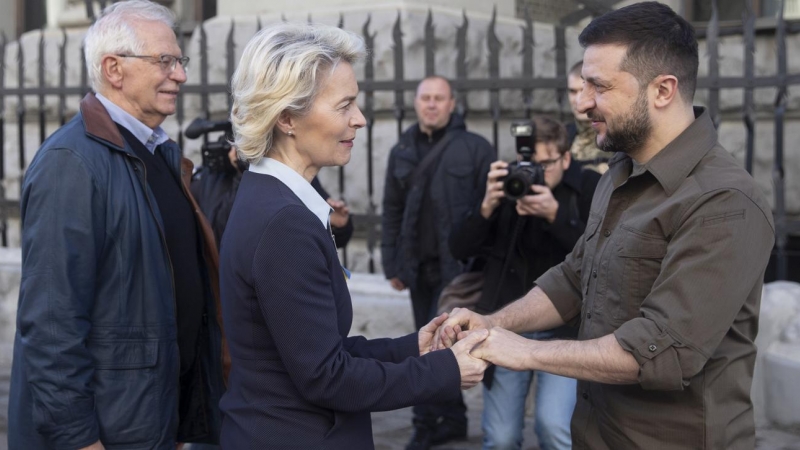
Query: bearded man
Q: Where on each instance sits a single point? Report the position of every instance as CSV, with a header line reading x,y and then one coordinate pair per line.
x,y
667,277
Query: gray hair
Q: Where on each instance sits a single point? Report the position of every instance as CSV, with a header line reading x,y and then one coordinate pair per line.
x,y
114,33
280,71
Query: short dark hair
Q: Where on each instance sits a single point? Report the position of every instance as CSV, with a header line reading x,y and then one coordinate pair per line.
x,y
551,131
576,68
659,42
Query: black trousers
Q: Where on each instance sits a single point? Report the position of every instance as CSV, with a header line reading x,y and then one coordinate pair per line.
x,y
424,299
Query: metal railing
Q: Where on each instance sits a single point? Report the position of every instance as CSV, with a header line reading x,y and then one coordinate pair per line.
x,y
528,84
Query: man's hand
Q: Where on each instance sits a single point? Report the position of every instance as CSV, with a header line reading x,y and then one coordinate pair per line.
x,y
427,333
471,368
505,349
541,204
460,320
340,214
96,446
494,188
397,284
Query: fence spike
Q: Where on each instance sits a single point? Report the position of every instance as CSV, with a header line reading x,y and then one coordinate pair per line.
x,y
461,64
749,118
230,60
527,58
90,10
430,45
778,173
399,73
713,63
494,74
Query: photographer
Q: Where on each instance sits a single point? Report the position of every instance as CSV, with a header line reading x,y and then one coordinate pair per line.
x,y
216,181
520,240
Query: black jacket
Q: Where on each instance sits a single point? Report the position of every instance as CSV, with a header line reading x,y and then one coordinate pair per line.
x,y
533,244
458,182
298,379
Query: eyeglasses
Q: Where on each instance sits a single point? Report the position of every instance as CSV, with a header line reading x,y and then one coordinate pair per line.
x,y
548,164
167,62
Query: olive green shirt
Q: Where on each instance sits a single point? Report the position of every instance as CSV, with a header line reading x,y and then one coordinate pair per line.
x,y
672,263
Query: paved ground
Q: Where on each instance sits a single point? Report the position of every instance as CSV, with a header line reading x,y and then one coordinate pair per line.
x,y
393,429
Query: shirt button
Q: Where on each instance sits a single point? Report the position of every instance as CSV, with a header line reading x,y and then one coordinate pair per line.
x,y
588,315
607,233
594,273
585,396
652,347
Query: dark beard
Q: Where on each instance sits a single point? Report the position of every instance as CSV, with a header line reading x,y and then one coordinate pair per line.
x,y
633,129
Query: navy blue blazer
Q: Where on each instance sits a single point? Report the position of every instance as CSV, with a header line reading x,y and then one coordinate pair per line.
x,y
297,380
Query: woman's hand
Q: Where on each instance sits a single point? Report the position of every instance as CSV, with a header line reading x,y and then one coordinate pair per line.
x,y
427,333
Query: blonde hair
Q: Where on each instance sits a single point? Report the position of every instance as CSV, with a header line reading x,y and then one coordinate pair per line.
x,y
114,32
280,70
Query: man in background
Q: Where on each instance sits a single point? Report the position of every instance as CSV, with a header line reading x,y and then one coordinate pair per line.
x,y
582,136
436,173
519,240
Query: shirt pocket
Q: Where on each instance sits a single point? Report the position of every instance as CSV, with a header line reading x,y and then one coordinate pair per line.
x,y
402,170
640,257
459,184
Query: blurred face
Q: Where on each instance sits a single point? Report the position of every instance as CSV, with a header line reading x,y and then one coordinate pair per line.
x,y
553,162
324,137
434,103
574,87
612,100
149,92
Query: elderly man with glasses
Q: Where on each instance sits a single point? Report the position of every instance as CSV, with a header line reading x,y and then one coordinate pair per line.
x,y
520,240
118,341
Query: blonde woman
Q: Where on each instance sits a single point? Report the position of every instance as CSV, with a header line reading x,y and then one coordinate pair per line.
x,y
297,380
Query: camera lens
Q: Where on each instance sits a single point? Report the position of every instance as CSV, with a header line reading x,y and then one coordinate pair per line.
x,y
516,185
515,188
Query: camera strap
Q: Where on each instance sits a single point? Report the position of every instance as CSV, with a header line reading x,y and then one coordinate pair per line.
x,y
421,173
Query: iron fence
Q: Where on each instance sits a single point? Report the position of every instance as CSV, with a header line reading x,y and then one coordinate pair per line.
x,y
528,84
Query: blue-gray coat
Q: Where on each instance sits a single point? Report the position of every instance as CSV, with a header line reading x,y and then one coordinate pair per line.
x,y
95,354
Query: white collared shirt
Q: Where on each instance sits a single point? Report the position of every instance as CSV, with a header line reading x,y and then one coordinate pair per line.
x,y
149,137
301,188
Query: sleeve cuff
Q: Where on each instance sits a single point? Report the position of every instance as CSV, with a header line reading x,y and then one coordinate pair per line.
x,y
563,296
655,351
78,434
445,367
408,345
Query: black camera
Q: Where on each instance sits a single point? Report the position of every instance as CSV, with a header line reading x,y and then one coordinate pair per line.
x,y
522,175
214,154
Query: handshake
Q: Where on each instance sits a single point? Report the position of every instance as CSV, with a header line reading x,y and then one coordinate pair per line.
x,y
475,342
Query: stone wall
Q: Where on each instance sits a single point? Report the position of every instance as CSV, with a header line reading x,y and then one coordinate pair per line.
x,y
382,18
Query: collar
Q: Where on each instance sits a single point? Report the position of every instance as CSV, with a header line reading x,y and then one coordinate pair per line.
x,y
298,185
672,164
149,137
435,136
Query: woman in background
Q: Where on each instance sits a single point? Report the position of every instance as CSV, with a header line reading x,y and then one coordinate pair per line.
x,y
297,380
